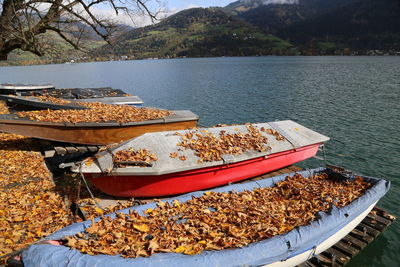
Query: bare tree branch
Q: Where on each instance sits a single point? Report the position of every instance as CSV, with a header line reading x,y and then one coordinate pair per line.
x,y
22,21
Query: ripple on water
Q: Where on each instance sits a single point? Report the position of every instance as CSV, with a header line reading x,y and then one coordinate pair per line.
x,y
353,100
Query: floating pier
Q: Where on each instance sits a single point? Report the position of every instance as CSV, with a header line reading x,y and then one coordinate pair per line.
x,y
51,149
343,251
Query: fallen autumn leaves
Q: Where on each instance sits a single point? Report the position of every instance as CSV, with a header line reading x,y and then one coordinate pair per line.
x,y
209,147
97,112
52,99
30,206
217,221
139,157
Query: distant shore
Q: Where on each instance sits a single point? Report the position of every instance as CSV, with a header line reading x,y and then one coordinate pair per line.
x,y
126,58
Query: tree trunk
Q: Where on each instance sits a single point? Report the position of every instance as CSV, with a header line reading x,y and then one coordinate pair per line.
x,y
3,55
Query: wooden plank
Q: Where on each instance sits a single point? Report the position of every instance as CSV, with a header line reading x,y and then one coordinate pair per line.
x,y
339,257
324,260
379,219
93,148
60,150
355,242
82,149
321,260
272,174
332,257
71,149
368,229
346,248
279,172
357,233
276,172
49,153
307,264
93,135
374,223
294,168
383,214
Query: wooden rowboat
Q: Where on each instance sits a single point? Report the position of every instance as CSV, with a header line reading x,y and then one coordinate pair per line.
x,y
289,249
170,176
95,133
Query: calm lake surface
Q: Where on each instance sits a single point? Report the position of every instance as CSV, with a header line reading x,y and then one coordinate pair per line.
x,y
353,100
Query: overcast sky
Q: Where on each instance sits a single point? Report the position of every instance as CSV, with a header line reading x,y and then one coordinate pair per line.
x,y
182,4
170,7
173,6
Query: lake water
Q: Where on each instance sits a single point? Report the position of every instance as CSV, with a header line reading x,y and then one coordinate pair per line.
x,y
353,100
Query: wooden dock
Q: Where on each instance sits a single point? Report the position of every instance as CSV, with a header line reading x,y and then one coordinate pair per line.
x,y
54,149
343,251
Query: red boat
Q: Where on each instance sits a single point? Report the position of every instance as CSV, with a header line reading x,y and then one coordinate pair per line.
x,y
181,174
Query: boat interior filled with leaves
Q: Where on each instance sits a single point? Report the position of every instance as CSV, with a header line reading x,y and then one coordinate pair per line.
x,y
97,124
298,215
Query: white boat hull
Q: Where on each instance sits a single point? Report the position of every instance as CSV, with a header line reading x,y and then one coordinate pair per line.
x,y
332,240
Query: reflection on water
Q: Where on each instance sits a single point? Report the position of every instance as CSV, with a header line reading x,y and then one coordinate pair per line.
x,y
354,100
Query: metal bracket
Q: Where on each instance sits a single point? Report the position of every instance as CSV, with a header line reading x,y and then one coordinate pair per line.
x,y
321,148
67,165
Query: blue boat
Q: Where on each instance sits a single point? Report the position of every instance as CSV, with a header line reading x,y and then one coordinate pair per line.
x,y
289,249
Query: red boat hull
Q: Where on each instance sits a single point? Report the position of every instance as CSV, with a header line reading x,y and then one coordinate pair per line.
x,y
199,179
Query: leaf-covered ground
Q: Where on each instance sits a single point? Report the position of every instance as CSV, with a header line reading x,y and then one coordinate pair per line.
x,y
31,206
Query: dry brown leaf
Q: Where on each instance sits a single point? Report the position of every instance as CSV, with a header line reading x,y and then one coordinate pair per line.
x,y
97,112
217,221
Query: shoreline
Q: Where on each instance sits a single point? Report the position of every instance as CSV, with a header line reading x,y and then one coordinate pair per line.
x,y
2,64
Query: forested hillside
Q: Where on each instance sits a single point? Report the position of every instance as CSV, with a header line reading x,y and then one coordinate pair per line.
x,y
327,26
197,32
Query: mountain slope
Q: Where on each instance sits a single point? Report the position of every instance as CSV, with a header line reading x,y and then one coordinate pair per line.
x,y
197,32
361,25
57,50
272,16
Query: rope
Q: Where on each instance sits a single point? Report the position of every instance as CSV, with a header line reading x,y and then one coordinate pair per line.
x,y
323,155
312,253
87,187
